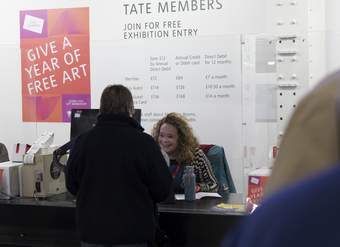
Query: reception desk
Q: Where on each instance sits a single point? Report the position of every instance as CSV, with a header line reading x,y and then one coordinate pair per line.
x,y
51,222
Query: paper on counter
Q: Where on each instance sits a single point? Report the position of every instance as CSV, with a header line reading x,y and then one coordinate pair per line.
x,y
199,195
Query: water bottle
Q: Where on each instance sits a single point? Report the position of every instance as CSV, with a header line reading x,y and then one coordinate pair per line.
x,y
189,181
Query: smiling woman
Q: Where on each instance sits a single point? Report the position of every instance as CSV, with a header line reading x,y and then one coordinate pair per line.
x,y
168,138
176,138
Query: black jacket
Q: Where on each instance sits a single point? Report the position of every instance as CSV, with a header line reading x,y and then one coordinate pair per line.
x,y
118,174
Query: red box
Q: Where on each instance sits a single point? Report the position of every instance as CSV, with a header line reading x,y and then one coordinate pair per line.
x,y
256,182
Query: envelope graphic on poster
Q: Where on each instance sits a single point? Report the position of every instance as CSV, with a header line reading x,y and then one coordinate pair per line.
x,y
33,24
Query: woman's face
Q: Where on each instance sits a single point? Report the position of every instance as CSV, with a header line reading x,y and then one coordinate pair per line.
x,y
168,137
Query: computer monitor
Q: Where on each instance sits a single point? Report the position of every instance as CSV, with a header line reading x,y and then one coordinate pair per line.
x,y
84,119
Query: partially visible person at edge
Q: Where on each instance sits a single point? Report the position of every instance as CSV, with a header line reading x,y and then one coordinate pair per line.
x,y
301,207
176,138
310,143
305,213
117,173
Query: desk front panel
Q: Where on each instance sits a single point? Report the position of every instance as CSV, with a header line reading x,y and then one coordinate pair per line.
x,y
51,222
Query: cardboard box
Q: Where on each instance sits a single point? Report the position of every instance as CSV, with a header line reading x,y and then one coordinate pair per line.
x,y
9,185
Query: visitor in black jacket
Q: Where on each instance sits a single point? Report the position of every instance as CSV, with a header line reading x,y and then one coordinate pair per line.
x,y
117,173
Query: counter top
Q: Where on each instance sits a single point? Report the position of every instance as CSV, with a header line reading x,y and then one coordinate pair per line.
x,y
205,205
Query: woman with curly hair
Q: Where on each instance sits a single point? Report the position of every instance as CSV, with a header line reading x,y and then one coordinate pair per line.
x,y
176,138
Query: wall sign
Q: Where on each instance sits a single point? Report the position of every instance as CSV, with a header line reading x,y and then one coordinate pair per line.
x,y
55,63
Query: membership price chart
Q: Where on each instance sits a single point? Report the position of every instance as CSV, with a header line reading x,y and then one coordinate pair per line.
x,y
206,71
199,78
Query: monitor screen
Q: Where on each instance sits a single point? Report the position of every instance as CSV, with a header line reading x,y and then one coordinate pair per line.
x,y
84,119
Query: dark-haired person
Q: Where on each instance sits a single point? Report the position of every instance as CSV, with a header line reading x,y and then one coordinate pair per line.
x,y
176,138
117,173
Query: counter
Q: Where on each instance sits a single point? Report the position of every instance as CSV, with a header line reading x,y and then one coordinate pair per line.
x,y
51,222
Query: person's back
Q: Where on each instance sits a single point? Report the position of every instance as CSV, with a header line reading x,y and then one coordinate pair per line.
x,y
304,214
118,174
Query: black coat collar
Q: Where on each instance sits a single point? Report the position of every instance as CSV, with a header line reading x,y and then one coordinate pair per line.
x,y
118,118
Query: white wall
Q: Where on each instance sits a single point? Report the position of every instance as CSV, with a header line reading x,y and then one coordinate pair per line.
x,y
106,21
317,41
243,17
332,8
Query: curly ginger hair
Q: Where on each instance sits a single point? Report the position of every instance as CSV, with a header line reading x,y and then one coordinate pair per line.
x,y
187,142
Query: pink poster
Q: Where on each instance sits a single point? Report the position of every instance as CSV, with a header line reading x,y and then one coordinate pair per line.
x,y
55,63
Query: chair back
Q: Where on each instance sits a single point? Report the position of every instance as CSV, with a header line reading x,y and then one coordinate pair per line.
x,y
218,160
